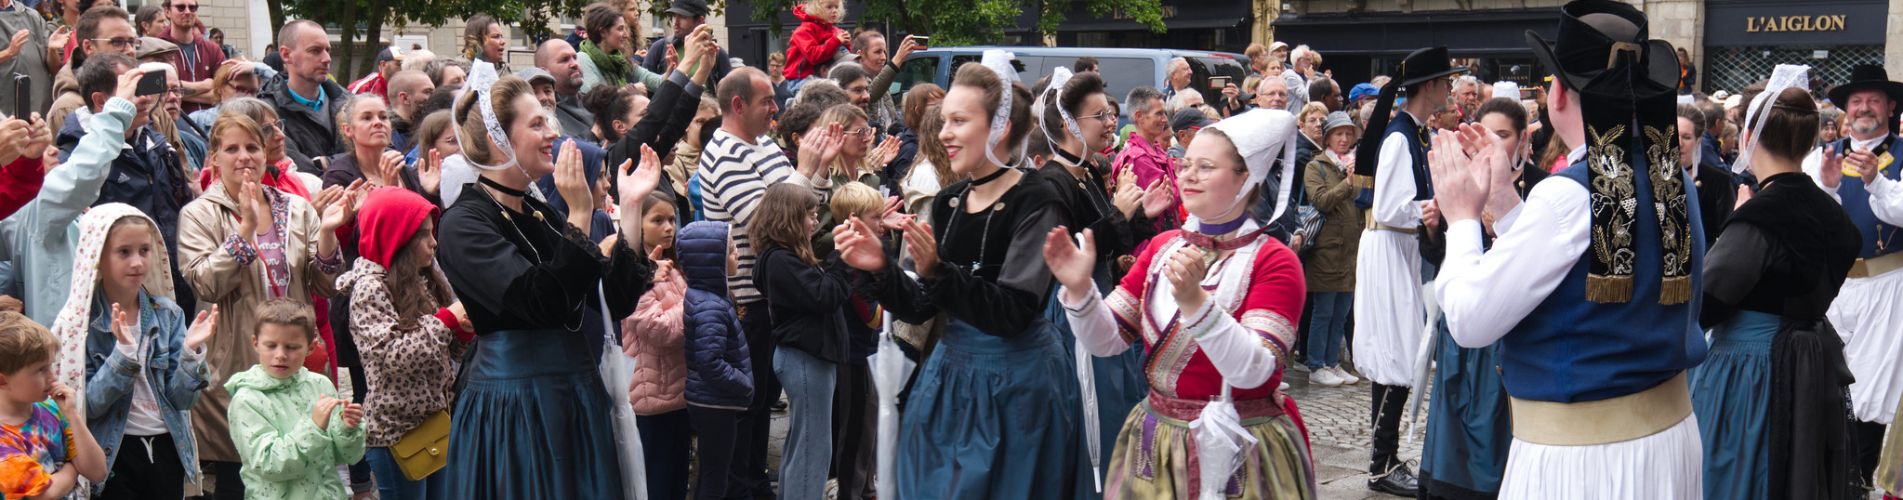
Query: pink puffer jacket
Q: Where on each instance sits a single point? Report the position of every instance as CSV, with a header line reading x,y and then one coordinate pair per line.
x,y
652,335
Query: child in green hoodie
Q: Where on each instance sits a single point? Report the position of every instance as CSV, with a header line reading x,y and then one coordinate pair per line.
x,y
290,429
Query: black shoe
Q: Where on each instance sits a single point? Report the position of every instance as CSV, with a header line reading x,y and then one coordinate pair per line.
x,y
1399,481
779,406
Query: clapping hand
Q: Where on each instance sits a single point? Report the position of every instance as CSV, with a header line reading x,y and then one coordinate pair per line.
x,y
122,328
320,412
858,246
1185,271
14,46
818,149
887,150
430,171
202,329
1157,199
1128,196
353,414
1831,172
891,219
1069,263
920,242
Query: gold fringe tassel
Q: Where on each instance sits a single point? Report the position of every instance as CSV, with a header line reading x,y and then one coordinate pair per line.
x,y
1364,181
1674,291
1608,289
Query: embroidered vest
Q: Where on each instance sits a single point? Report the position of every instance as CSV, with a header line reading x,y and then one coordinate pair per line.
x,y
1879,238
1570,349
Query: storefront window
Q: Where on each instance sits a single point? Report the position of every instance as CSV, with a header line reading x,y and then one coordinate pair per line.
x,y
1732,68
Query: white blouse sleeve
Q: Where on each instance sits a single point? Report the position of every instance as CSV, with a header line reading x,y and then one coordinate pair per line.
x,y
1093,323
1886,199
1813,166
1394,203
1242,356
1484,295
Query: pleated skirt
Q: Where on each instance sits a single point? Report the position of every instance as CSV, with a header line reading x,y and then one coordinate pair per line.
x,y
1388,311
993,417
1731,395
1156,456
1468,426
533,421
1662,466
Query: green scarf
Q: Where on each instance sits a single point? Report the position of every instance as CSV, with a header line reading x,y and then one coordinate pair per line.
x,y
615,70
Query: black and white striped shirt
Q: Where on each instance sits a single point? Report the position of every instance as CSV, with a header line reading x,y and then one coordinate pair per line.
x,y
734,175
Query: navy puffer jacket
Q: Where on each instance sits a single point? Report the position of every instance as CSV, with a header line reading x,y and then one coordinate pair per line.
x,y
719,374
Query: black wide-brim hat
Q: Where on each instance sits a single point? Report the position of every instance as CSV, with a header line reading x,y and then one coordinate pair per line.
x,y
1866,77
1424,65
1593,34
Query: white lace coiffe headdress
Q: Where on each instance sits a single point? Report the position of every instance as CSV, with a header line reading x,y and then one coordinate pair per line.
x,y
999,61
482,77
1784,77
1054,96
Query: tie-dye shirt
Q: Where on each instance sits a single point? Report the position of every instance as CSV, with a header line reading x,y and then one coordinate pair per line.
x,y
31,452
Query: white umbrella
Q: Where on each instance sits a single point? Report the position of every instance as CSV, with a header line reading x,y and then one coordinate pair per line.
x,y
889,370
1423,360
1220,439
617,372
1087,386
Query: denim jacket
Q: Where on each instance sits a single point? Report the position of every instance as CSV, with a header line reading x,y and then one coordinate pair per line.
x,y
176,379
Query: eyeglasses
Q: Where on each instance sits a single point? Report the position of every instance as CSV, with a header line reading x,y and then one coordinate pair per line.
x,y
124,43
185,7
271,129
1106,116
175,90
861,131
1202,170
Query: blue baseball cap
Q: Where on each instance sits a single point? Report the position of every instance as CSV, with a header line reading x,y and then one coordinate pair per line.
x,y
1363,90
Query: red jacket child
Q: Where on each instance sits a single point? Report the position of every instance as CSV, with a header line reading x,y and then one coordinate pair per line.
x,y
814,44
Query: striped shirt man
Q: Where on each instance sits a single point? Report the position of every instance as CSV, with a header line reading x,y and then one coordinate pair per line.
x,y
734,174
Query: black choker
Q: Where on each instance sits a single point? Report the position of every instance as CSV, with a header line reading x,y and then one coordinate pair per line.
x,y
1070,159
503,189
988,178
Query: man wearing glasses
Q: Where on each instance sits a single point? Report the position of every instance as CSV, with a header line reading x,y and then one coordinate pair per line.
x,y
102,29
198,57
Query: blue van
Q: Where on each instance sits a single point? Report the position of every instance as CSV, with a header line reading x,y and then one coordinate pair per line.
x,y
1122,69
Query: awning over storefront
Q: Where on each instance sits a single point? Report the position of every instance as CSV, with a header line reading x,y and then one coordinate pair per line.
x,y
1391,33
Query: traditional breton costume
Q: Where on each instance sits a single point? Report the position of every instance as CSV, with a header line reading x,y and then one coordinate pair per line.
x,y
1593,348
1469,429
1867,312
1233,348
1110,386
1771,397
1391,168
534,418
991,414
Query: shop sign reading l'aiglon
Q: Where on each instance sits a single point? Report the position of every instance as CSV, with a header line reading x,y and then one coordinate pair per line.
x,y
1800,23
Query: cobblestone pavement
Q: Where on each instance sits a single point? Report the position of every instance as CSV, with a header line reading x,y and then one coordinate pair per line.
x,y
1340,433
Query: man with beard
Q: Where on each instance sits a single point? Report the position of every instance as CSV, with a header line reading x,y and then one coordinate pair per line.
x,y
558,59
1866,312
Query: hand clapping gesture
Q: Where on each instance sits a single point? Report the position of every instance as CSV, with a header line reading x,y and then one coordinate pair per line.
x,y
1071,264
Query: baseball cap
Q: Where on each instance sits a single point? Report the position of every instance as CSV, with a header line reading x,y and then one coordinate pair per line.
x,y
1188,119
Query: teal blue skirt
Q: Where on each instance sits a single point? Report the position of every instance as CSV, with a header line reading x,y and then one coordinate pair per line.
x,y
992,417
1468,427
1731,395
533,421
